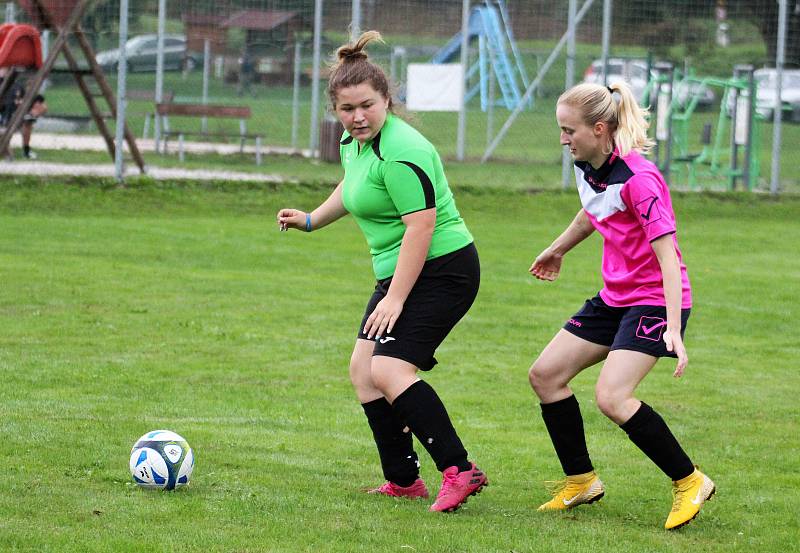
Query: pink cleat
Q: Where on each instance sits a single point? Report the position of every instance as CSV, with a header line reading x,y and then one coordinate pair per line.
x,y
457,487
416,490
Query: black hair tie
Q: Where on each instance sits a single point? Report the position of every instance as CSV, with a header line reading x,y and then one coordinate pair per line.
x,y
610,90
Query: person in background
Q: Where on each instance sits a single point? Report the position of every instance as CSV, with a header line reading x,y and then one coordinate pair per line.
x,y
11,101
247,69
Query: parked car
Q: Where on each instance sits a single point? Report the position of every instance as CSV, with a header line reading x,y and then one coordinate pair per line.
x,y
767,80
631,70
634,71
140,52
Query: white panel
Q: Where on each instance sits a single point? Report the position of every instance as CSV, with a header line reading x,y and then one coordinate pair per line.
x,y
434,87
742,119
662,121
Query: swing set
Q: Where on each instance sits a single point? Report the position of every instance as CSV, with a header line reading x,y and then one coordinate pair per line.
x,y
21,53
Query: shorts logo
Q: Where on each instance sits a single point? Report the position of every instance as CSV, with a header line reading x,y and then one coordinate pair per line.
x,y
386,339
648,210
573,322
650,328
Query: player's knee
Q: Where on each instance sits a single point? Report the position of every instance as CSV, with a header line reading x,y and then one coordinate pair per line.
x,y
542,376
381,378
360,373
608,401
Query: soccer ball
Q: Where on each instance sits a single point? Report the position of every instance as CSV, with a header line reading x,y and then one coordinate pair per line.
x,y
161,459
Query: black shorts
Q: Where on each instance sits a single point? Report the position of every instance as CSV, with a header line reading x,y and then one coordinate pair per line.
x,y
637,328
443,293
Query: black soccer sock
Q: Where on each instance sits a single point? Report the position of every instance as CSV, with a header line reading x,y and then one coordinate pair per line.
x,y
565,426
651,434
26,149
421,408
399,462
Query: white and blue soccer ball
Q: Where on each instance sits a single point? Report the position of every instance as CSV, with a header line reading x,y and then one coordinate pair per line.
x,y
161,459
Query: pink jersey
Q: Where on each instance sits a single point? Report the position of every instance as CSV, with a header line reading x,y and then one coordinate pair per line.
x,y
628,203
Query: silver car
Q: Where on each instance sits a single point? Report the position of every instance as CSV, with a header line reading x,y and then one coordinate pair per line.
x,y
631,70
140,51
767,80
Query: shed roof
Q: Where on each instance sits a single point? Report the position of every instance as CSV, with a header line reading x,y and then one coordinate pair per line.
x,y
257,20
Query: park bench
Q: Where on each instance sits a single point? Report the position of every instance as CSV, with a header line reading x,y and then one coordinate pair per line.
x,y
210,111
147,95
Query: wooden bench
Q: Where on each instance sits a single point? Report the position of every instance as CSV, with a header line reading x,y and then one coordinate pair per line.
x,y
148,96
213,111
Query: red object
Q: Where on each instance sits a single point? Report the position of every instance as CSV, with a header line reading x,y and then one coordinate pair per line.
x,y
20,46
58,11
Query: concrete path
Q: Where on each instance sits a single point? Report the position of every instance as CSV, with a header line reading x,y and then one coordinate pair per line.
x,y
54,141
41,168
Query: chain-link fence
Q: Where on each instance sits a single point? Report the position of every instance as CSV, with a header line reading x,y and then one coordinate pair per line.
x,y
259,54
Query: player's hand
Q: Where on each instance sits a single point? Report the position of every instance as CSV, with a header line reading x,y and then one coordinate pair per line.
x,y
547,265
382,319
674,342
291,218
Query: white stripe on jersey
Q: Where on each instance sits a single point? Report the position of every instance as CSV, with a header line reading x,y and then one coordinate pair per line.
x,y
599,204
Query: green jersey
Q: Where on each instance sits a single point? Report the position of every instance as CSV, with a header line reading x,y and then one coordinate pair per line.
x,y
396,173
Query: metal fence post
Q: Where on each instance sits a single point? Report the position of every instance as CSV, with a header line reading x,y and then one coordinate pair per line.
x,y
490,109
313,142
159,92
607,11
122,75
462,111
296,92
206,75
780,54
566,158
355,20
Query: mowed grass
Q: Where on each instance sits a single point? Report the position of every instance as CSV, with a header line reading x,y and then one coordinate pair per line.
x,y
124,310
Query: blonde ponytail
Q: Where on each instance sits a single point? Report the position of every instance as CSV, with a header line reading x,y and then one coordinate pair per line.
x,y
632,122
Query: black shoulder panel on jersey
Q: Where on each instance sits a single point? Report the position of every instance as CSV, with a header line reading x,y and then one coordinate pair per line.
x,y
615,172
346,141
376,146
427,185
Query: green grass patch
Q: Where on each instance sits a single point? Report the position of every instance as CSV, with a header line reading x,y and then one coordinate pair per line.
x,y
180,306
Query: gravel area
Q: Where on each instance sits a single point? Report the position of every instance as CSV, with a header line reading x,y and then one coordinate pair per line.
x,y
52,141
39,168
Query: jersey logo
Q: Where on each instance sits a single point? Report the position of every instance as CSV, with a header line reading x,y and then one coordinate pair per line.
x,y
598,186
648,210
650,328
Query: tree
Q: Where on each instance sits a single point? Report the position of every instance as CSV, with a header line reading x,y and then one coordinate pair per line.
x,y
765,12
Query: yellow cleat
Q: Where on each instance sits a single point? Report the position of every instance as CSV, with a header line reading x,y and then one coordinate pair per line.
x,y
573,491
688,495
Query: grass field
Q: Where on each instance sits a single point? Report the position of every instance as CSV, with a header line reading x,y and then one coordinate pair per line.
x,y
181,307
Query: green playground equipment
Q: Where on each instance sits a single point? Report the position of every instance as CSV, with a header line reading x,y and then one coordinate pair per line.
x,y
729,152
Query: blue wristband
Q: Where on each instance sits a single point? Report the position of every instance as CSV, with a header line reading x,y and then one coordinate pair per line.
x,y
308,222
